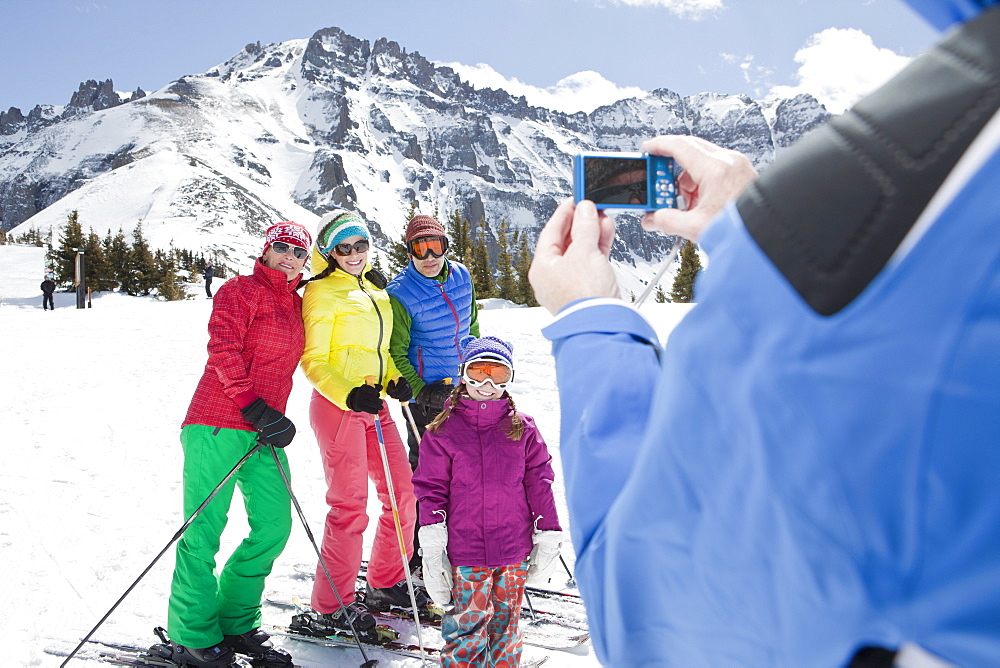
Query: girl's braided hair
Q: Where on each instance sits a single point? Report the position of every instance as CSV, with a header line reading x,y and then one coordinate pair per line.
x,y
514,432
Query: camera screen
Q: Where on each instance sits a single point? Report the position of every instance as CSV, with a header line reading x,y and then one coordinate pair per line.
x,y
615,180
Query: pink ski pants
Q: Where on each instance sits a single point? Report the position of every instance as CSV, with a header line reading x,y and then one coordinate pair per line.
x,y
350,450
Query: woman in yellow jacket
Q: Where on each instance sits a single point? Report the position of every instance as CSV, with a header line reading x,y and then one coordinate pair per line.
x,y
348,320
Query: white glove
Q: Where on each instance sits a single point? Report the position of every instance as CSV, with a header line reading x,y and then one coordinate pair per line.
x,y
542,560
437,568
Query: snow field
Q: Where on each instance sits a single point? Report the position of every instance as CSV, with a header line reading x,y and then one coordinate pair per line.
x,y
91,490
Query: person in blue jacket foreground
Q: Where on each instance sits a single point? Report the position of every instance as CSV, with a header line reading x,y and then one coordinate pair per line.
x,y
807,474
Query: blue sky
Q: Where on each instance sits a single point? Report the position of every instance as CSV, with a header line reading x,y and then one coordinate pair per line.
x,y
688,46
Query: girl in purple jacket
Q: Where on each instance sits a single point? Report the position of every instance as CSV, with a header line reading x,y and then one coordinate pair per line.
x,y
487,515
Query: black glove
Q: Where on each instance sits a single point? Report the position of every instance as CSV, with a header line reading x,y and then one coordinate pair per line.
x,y
271,425
399,390
365,399
432,395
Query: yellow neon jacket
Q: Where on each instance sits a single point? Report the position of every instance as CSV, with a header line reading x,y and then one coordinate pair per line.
x,y
347,324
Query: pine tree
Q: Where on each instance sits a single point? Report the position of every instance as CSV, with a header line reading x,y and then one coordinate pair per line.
x,y
479,265
661,296
683,289
100,275
69,241
507,282
399,257
141,276
461,243
526,295
116,252
171,286
32,237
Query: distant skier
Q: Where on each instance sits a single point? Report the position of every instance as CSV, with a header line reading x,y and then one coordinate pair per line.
x,y
255,343
48,287
209,274
487,513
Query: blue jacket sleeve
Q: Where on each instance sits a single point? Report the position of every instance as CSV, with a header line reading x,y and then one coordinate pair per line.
x,y
607,364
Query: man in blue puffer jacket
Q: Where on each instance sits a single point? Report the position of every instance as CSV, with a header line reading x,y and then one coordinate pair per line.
x,y
806,475
433,308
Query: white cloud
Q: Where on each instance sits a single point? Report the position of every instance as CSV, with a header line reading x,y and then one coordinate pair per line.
x,y
839,67
688,9
583,91
753,73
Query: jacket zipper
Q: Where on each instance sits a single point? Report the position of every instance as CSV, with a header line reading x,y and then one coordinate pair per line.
x,y
454,313
381,329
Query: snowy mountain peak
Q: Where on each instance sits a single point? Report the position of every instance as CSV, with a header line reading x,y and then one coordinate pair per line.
x,y
291,130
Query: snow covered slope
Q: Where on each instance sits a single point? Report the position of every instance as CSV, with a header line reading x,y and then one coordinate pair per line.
x,y
91,492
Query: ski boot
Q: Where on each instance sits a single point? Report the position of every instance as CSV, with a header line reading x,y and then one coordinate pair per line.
x,y
352,619
257,645
396,599
216,656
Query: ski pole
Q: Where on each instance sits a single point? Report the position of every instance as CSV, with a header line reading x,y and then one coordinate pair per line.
x,y
531,608
162,552
572,580
408,414
666,265
368,663
399,529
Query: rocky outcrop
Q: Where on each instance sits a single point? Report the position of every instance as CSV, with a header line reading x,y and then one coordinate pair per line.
x,y
95,96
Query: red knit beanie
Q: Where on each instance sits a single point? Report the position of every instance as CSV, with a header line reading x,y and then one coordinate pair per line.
x,y
423,226
288,232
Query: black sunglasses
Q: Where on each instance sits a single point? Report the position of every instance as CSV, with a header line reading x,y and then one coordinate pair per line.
x,y
345,249
281,248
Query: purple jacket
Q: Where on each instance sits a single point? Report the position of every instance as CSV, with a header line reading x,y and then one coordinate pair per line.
x,y
491,487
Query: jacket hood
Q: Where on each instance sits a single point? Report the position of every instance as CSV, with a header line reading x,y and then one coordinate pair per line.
x,y
943,14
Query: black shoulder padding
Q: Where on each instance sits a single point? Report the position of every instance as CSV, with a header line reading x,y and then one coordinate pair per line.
x,y
832,210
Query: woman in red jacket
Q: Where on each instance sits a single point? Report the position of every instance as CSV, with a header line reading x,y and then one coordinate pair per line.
x,y
255,342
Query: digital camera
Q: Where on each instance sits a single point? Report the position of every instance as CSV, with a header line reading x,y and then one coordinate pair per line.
x,y
637,181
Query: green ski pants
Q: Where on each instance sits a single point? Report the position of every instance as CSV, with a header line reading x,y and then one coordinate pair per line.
x,y
204,608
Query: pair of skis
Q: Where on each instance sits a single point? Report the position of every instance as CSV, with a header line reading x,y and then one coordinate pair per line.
x,y
394,646
549,633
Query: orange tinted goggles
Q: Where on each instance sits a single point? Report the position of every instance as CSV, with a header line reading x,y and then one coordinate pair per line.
x,y
424,246
479,371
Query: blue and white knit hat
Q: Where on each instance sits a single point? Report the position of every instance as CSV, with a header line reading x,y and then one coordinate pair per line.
x,y
338,225
486,347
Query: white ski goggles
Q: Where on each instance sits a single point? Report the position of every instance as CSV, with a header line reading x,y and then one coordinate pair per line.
x,y
495,372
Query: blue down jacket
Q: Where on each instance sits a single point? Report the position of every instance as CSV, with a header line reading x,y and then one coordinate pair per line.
x,y
779,488
440,314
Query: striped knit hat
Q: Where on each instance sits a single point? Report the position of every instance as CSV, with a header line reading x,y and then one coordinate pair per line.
x,y
338,225
486,347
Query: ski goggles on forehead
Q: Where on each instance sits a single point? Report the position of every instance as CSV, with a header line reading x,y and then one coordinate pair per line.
x,y
345,249
281,248
479,372
424,246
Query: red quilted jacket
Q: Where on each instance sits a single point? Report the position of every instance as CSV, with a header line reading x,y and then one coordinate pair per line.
x,y
255,343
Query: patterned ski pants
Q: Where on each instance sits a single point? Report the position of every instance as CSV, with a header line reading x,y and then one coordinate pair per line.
x,y
481,629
